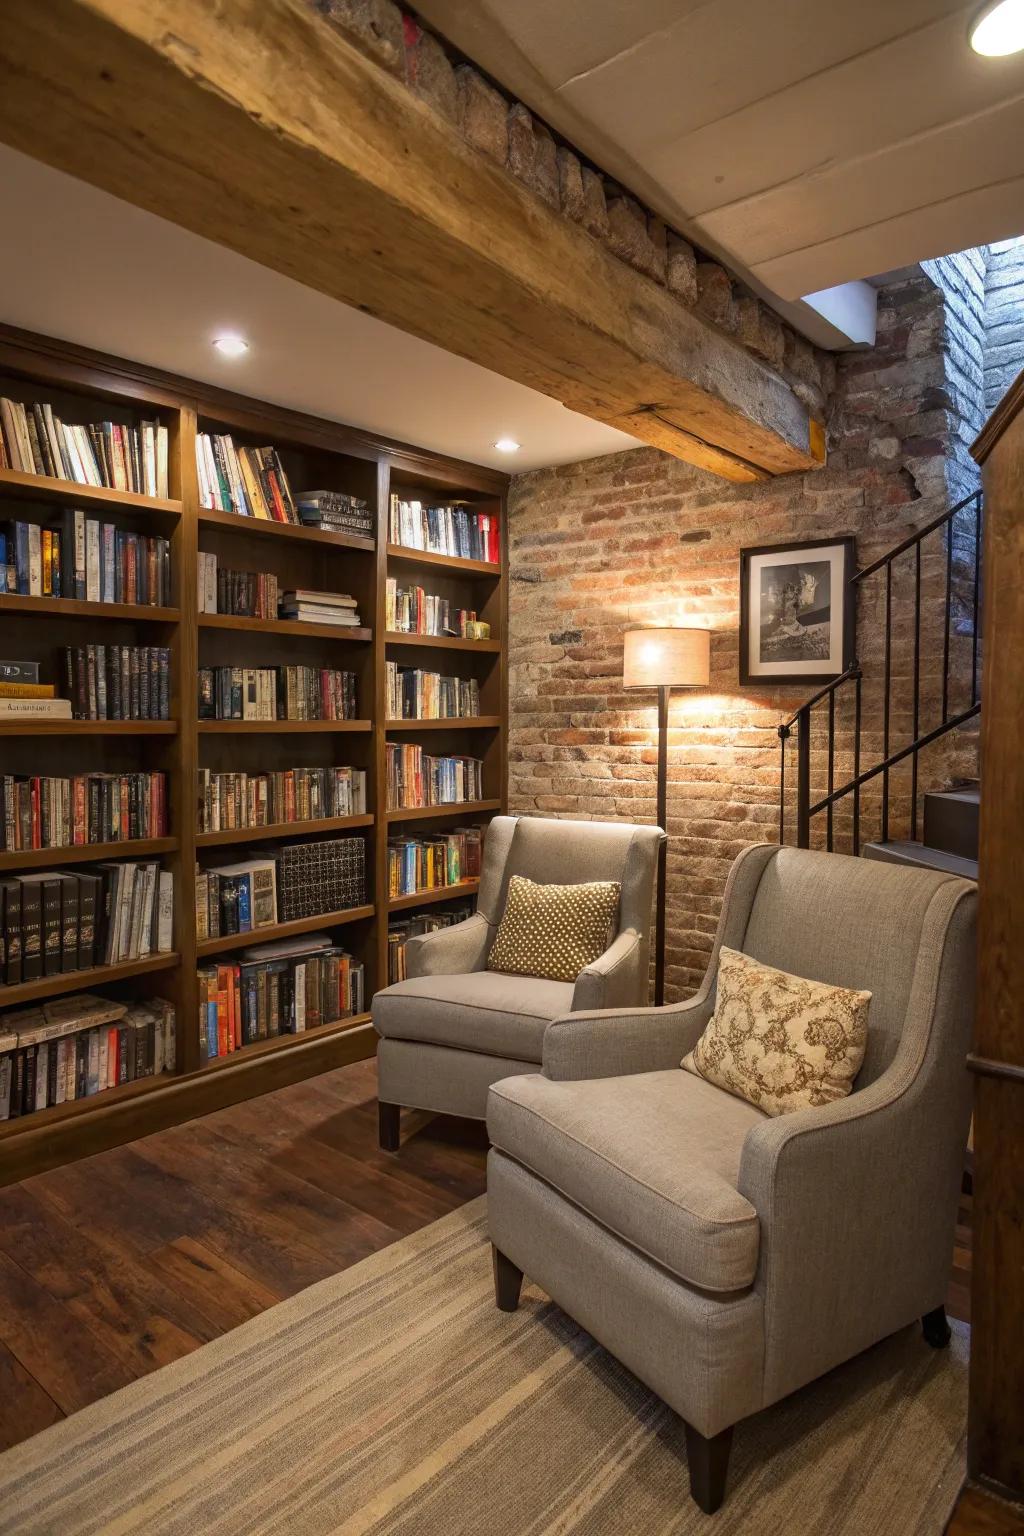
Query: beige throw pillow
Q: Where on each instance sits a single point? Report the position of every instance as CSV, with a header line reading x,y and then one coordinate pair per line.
x,y
781,1042
553,931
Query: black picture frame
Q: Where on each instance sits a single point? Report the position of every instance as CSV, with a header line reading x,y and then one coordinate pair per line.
x,y
795,663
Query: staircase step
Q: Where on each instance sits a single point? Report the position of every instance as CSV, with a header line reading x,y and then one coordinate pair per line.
x,y
922,857
951,821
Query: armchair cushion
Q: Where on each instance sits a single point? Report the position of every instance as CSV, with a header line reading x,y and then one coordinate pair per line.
x,y
779,1041
481,1011
553,931
653,1157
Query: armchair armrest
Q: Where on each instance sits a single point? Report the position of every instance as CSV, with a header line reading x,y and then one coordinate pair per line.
x,y
611,1043
450,951
613,980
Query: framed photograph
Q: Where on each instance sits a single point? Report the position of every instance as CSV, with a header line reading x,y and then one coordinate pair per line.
x,y
796,612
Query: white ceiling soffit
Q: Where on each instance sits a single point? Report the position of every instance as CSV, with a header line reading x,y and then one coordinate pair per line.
x,y
807,144
84,266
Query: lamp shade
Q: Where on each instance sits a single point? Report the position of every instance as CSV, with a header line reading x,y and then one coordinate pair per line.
x,y
666,658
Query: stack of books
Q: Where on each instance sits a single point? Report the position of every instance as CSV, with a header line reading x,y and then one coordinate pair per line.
x,y
277,989
449,530
74,1047
428,863
23,696
230,800
68,920
248,481
412,611
321,608
404,929
414,694
276,693
335,512
415,779
47,812
248,594
118,682
106,453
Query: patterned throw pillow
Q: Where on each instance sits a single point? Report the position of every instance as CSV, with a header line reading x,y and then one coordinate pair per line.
x,y
779,1041
553,931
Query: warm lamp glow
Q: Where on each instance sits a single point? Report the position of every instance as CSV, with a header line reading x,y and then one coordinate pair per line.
x,y
999,30
666,658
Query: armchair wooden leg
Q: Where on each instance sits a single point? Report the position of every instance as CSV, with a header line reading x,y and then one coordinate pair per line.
x,y
389,1119
709,1462
508,1281
936,1329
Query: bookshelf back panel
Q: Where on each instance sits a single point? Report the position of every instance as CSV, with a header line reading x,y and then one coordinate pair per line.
x,y
305,566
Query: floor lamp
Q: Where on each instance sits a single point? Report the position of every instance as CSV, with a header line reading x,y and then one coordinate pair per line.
x,y
664,659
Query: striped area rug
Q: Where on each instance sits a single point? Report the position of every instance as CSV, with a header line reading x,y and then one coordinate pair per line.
x,y
395,1399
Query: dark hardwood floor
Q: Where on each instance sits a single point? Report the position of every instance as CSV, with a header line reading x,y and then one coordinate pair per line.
x,y
118,1264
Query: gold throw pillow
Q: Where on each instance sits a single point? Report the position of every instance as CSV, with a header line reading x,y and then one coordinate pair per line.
x,y
781,1042
553,931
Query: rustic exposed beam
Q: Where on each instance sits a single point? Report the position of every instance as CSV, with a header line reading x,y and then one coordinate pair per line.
x,y
258,125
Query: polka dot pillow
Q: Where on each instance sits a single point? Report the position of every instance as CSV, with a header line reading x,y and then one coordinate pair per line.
x,y
553,931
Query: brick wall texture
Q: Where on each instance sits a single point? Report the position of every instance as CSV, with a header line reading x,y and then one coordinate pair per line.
x,y
641,538
1004,318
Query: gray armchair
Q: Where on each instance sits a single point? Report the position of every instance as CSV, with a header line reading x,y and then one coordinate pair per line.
x,y
453,1027
726,1257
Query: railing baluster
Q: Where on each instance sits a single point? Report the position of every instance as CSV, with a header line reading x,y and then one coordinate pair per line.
x,y
831,766
783,737
917,689
977,597
803,779
945,631
885,707
856,765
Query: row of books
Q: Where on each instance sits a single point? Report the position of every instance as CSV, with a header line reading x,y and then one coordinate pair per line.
x,y
118,682
429,863
239,799
457,530
413,611
281,884
276,693
335,512
416,779
277,989
62,920
247,594
105,453
84,559
47,812
248,481
400,931
75,1047
415,694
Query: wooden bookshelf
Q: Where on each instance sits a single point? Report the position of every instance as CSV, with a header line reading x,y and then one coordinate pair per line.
x,y
315,453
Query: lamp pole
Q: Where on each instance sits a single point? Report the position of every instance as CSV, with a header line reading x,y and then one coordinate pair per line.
x,y
659,918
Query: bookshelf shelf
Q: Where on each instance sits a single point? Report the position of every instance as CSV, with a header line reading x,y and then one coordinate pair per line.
x,y
84,853
73,981
448,723
20,726
283,930
75,608
447,562
297,533
286,627
443,642
16,485
281,829
441,893
434,812
279,727
313,453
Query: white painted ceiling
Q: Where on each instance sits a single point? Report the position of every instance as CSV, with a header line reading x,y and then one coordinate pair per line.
x,y
809,142
84,266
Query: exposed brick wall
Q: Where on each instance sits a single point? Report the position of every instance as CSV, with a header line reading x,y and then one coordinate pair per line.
x,y
641,538
1004,318
961,278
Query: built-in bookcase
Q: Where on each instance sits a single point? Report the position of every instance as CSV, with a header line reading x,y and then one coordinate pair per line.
x,y
315,454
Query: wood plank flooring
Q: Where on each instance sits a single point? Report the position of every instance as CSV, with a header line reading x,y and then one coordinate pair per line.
x,y
118,1264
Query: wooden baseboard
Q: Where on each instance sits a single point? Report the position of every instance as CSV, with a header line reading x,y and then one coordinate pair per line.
x,y
181,1098
980,1512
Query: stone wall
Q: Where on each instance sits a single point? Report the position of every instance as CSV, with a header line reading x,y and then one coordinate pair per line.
x,y
1004,318
641,538
961,279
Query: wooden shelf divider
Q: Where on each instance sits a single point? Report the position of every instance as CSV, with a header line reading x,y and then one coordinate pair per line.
x,y
315,452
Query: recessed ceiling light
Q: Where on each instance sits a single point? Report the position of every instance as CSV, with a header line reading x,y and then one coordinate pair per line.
x,y
230,345
999,29
507,445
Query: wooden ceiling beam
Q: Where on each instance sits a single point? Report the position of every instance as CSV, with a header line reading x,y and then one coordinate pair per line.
x,y
256,124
